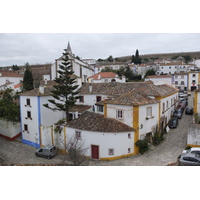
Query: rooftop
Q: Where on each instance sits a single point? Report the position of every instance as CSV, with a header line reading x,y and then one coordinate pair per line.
x,y
96,122
115,89
101,75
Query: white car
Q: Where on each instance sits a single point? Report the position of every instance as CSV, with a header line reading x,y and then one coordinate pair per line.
x,y
193,150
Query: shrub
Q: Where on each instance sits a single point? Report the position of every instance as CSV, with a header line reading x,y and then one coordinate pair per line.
x,y
143,145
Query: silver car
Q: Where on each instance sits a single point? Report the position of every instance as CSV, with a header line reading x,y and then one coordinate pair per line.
x,y
193,150
46,151
189,159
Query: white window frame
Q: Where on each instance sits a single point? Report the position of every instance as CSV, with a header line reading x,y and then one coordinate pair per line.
x,y
119,114
78,135
111,151
149,111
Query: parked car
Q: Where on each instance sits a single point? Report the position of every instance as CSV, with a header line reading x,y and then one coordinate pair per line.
x,y
46,151
178,113
193,150
189,159
184,101
181,105
183,96
189,111
173,123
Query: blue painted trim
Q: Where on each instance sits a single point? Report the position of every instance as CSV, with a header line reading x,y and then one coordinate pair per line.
x,y
39,117
36,145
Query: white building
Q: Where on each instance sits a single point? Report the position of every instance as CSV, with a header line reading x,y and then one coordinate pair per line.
x,y
10,79
105,77
160,79
176,67
34,114
181,81
81,69
105,138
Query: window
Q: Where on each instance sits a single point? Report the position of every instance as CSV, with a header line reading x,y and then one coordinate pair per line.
x,y
163,107
78,135
119,114
98,98
29,114
81,99
129,150
110,151
182,77
129,135
149,111
176,82
193,75
99,108
182,82
169,67
25,127
28,102
193,81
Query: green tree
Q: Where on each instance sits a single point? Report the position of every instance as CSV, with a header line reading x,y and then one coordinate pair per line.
x,y
65,91
110,59
150,72
15,68
9,110
28,79
136,59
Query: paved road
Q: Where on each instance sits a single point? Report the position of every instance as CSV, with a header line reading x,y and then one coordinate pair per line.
x,y
167,152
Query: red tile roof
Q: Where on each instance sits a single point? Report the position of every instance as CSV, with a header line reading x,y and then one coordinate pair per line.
x,y
96,122
4,73
101,75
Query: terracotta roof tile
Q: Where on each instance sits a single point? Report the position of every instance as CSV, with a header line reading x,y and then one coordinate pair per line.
x,y
96,122
101,75
9,74
115,89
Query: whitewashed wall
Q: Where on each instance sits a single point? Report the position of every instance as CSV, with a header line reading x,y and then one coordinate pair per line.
x,y
9,129
147,124
127,113
117,141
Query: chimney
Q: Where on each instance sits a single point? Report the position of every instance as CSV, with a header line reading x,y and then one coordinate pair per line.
x,y
76,114
41,89
90,88
99,76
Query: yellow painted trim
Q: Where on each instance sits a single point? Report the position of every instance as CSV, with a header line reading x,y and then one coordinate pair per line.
x,y
198,78
105,110
117,157
52,138
136,127
159,115
195,102
192,145
160,98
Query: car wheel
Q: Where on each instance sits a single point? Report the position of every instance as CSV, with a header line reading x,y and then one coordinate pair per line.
x,y
36,155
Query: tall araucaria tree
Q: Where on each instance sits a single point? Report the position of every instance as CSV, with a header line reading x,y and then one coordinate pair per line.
x,y
28,79
65,92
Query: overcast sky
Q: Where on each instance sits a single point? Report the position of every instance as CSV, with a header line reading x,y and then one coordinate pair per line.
x,y
35,48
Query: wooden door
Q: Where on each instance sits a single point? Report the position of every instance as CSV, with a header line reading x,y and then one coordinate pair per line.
x,y
95,152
